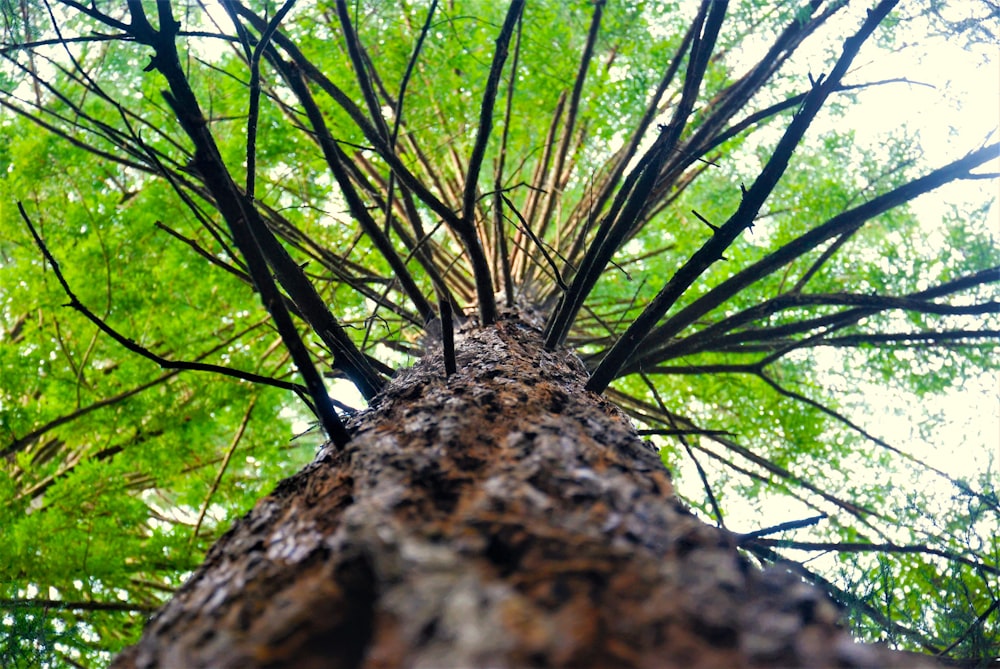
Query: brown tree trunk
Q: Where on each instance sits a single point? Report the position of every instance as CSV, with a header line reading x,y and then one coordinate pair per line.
x,y
502,517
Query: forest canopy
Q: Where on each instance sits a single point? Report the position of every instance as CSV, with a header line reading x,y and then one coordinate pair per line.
x,y
675,189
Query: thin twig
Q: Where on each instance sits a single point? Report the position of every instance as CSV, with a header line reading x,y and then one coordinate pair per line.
x,y
237,437
131,345
716,509
253,112
863,547
845,597
541,247
61,605
781,527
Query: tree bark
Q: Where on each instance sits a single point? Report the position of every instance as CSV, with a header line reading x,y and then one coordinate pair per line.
x,y
501,517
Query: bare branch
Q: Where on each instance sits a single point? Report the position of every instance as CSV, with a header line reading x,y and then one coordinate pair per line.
x,y
624,213
660,339
254,105
501,257
337,161
448,338
781,527
480,267
252,237
751,203
132,345
557,177
862,547
237,437
61,605
361,74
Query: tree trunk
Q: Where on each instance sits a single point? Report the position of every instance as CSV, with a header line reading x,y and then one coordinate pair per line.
x,y
501,517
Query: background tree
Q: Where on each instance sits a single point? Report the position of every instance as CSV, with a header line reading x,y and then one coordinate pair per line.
x,y
374,172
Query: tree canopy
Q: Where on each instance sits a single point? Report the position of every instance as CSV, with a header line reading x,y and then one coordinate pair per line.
x,y
212,213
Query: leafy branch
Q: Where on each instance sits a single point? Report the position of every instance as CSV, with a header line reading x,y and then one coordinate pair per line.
x,y
131,345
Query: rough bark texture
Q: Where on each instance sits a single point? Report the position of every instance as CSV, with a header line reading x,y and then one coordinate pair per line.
x,y
502,517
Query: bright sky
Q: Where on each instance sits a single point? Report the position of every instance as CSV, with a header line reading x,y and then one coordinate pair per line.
x,y
956,112
959,114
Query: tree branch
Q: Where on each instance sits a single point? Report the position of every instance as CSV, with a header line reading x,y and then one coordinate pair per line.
x,y
480,266
659,345
60,605
751,203
132,345
552,188
863,547
257,244
624,214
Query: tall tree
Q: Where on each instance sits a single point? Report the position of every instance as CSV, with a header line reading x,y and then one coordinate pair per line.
x,y
609,241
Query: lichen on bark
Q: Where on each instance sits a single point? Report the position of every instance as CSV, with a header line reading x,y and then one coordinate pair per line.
x,y
502,516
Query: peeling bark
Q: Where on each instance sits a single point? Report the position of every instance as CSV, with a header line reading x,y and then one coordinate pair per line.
x,y
501,517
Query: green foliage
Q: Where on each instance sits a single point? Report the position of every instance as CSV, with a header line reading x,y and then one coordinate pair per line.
x,y
103,506
118,475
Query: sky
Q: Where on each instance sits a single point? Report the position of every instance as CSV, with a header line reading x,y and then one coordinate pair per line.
x,y
957,113
952,107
